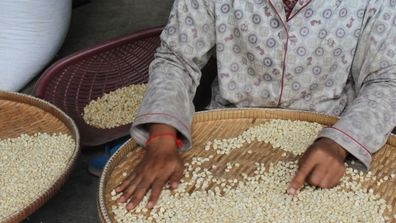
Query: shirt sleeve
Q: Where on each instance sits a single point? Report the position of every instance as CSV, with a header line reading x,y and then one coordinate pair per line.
x,y
174,74
365,125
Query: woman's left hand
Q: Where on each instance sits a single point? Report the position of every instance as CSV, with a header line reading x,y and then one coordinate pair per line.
x,y
322,165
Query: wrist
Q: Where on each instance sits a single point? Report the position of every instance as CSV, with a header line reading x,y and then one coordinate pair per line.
x,y
163,136
158,128
340,150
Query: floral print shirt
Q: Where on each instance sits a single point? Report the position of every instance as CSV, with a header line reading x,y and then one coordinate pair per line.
x,y
330,56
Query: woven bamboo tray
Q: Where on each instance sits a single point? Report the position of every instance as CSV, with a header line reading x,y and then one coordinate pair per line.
x,y
219,124
21,113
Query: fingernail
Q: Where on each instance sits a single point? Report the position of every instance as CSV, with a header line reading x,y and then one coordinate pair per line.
x,y
121,200
174,185
130,206
291,191
150,205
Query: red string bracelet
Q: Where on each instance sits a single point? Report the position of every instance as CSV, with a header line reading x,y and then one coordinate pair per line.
x,y
179,142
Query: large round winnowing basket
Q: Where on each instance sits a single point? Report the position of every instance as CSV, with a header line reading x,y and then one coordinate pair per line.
x,y
220,124
23,114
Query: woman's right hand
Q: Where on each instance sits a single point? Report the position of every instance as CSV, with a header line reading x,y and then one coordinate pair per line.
x,y
161,163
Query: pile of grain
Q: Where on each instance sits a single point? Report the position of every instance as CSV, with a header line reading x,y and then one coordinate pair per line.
x,y
30,165
115,108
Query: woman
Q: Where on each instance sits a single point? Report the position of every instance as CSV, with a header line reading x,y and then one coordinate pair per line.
x,y
334,57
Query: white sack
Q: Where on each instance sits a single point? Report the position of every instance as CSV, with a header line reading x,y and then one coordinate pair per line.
x,y
31,33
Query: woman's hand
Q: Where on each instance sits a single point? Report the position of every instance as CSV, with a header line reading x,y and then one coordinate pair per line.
x,y
322,165
160,164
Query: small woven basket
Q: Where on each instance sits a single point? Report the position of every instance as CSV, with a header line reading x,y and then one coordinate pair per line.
x,y
74,81
23,114
220,124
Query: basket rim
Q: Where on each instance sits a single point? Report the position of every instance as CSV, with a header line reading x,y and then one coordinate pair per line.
x,y
46,76
101,202
58,183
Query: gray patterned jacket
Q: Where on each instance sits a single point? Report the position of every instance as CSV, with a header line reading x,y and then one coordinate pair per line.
x,y
330,56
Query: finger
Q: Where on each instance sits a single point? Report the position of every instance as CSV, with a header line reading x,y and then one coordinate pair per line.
x,y
156,190
318,176
174,180
138,194
332,179
299,179
124,184
326,182
127,193
341,174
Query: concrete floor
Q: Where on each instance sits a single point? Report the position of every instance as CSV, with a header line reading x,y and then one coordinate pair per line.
x,y
93,23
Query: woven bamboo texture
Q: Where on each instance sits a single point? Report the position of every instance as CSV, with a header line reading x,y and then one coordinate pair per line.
x,y
74,81
21,113
220,124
